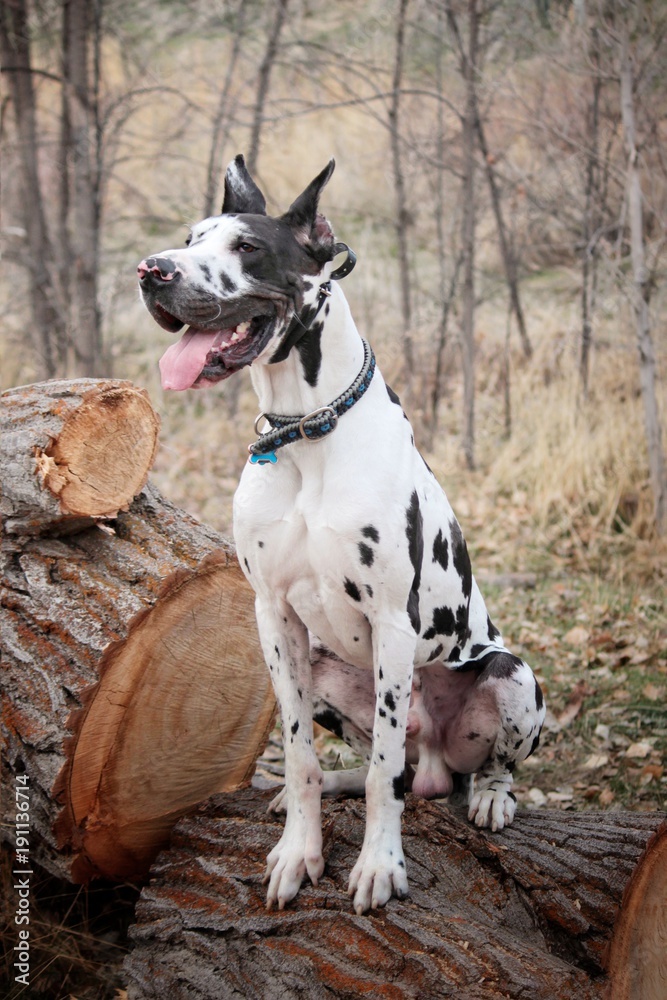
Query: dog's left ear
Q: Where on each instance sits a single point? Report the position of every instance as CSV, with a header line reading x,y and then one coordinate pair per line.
x,y
241,193
309,227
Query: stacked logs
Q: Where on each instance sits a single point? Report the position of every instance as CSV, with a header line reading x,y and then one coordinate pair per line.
x,y
133,686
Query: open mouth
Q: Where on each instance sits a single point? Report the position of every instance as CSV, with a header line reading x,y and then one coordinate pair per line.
x,y
203,357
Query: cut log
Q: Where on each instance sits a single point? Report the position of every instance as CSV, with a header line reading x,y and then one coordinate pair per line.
x,y
637,960
133,684
72,452
523,913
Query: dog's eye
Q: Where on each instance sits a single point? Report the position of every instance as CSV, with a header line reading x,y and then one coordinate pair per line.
x,y
246,248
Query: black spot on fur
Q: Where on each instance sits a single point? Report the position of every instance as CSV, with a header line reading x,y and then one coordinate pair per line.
x,y
454,655
382,713
399,786
394,723
460,557
228,284
492,631
389,701
277,651
372,533
331,721
352,590
441,550
415,534
295,728
206,271
369,589
245,561
310,352
444,623
478,648
539,700
535,744
366,554
501,665
392,395
435,653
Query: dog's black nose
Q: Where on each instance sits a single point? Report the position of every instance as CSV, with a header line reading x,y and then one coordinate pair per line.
x,y
157,269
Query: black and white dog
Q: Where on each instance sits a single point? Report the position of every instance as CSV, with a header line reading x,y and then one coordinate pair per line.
x,y
368,613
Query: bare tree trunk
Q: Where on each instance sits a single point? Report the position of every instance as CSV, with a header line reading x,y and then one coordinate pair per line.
x,y
468,60
263,84
81,28
589,264
15,53
399,190
642,291
218,135
506,249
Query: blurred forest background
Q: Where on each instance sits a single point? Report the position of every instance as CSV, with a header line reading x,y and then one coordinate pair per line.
x,y
502,176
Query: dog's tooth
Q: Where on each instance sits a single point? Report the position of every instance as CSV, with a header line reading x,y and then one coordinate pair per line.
x,y
235,338
243,328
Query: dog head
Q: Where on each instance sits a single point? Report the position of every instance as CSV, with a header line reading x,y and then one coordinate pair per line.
x,y
238,282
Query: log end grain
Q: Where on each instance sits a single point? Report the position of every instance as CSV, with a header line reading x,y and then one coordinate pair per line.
x,y
182,709
637,957
103,454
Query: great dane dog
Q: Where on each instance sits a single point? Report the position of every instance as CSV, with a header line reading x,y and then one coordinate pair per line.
x,y
369,616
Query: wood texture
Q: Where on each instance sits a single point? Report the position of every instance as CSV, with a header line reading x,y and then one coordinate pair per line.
x,y
131,669
72,452
526,913
637,960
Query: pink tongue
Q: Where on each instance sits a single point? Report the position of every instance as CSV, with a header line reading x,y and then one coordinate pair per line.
x,y
181,364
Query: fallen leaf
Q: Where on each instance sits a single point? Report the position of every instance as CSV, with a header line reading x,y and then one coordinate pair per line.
x,y
606,797
572,708
537,797
653,692
595,760
638,750
577,636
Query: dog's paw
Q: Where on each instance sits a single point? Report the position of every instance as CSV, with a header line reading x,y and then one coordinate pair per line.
x,y
293,857
378,875
493,808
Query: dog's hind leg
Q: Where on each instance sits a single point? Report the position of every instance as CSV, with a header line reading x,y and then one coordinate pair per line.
x,y
512,686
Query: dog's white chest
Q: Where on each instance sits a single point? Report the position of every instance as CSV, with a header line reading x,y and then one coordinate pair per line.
x,y
292,553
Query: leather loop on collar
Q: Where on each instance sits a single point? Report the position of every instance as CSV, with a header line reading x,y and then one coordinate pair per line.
x,y
348,263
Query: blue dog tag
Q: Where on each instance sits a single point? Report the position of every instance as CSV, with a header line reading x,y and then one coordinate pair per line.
x,y
270,457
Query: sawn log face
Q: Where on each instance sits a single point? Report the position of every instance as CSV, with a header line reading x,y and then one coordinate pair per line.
x,y
525,913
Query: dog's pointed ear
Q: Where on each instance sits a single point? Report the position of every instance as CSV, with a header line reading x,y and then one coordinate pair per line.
x,y
309,227
241,193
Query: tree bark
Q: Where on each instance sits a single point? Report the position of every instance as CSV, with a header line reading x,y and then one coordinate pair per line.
x,y
402,217
133,686
642,292
81,38
263,83
218,136
48,322
506,248
73,452
468,69
525,913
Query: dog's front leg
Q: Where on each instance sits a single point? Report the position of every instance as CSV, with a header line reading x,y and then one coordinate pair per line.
x,y
380,871
299,851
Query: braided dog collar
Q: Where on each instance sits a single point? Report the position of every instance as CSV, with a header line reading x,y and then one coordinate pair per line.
x,y
312,426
